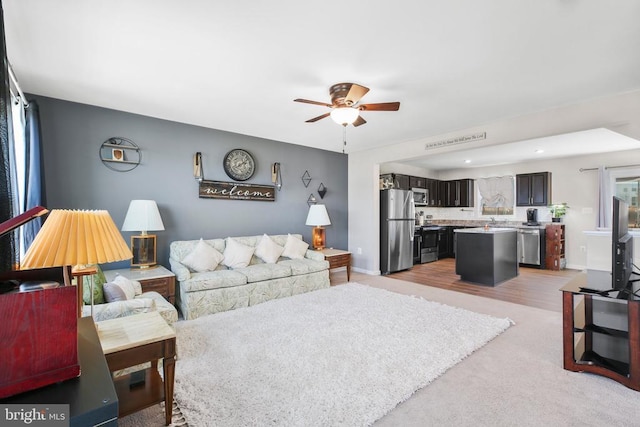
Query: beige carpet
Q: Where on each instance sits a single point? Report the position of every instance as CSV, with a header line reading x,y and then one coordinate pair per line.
x,y
515,380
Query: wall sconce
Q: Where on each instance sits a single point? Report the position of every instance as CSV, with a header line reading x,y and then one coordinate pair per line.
x,y
276,178
197,166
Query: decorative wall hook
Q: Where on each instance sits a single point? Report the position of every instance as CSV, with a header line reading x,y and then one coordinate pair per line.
x,y
306,178
197,166
276,178
322,190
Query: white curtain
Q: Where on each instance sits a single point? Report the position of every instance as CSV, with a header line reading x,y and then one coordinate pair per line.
x,y
604,196
497,192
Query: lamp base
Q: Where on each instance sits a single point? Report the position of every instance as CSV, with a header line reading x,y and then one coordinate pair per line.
x,y
317,237
143,248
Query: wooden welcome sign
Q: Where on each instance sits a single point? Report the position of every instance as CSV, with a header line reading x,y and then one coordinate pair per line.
x,y
236,191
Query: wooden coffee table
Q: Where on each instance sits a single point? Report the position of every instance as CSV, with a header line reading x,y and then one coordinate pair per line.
x,y
130,341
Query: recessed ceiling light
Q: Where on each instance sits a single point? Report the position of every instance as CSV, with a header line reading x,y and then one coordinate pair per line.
x,y
467,161
539,151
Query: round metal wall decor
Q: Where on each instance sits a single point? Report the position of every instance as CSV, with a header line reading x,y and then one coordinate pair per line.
x,y
120,154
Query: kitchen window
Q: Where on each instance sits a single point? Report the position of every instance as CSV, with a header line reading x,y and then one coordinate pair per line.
x,y
497,195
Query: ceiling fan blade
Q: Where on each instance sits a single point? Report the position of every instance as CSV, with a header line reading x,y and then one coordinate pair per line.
x,y
359,121
383,106
315,119
306,101
356,92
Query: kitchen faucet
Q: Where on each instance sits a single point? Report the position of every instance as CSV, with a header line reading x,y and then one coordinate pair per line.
x,y
493,220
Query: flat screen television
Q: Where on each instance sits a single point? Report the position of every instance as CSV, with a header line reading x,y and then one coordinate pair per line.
x,y
622,249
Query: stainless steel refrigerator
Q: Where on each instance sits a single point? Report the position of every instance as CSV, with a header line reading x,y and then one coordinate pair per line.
x,y
397,222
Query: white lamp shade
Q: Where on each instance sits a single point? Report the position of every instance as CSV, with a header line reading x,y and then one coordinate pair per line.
x,y
344,115
318,216
143,215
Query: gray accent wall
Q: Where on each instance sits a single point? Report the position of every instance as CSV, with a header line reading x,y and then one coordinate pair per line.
x,y
76,178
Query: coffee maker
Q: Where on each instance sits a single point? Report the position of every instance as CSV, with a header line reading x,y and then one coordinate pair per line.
x,y
532,217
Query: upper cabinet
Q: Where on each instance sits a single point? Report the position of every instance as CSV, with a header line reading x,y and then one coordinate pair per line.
x,y
533,189
417,182
432,192
457,193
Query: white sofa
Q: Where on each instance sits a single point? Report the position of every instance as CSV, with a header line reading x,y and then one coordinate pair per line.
x,y
143,303
224,288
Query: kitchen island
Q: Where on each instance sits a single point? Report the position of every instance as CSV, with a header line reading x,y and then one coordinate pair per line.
x,y
486,255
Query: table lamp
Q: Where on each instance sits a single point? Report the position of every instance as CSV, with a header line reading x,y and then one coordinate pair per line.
x,y
143,216
74,237
318,217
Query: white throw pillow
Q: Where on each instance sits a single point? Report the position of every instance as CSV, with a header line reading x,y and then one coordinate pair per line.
x,y
130,287
203,257
237,255
268,250
294,248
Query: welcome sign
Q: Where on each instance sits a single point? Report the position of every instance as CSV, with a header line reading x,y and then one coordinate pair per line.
x,y
236,191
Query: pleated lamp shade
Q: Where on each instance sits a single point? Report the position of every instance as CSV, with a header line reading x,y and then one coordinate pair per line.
x,y
75,237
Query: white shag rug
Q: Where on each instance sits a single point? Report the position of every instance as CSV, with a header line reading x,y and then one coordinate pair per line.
x,y
343,356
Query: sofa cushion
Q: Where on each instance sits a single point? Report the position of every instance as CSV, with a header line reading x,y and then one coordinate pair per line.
x,y
213,280
295,248
203,258
304,266
261,272
237,255
268,250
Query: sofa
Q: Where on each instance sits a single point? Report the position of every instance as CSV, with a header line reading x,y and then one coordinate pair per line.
x,y
135,302
224,274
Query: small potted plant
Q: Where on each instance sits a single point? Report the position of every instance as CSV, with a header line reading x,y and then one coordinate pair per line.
x,y
558,210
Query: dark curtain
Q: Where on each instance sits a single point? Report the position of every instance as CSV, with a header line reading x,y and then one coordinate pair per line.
x,y
8,253
33,185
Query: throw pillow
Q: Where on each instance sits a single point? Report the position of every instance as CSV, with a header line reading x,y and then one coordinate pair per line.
x,y
113,292
268,250
203,258
237,255
294,248
131,288
98,280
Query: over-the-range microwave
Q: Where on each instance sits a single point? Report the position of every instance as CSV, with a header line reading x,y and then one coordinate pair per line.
x,y
420,196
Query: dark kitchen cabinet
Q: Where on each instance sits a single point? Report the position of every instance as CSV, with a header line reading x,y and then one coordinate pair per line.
x,y
432,186
457,193
394,180
533,189
417,182
445,242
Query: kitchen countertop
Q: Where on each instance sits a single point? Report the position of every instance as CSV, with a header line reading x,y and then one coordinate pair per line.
x,y
482,230
481,223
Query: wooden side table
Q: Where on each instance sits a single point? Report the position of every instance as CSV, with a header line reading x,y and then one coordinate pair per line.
x,y
338,258
157,279
130,341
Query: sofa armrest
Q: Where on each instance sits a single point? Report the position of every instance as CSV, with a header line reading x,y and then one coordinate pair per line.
x,y
116,309
182,273
314,255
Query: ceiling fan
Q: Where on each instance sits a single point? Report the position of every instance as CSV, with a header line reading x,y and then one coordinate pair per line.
x,y
345,107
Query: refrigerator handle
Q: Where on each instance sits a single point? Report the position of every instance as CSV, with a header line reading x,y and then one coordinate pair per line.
x,y
412,208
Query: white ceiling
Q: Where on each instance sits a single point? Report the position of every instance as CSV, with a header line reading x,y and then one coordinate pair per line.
x,y
238,65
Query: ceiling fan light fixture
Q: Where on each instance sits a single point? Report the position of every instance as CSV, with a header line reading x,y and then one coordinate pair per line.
x,y
344,115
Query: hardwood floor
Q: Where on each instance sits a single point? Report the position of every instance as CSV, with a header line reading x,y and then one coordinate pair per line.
x,y
532,287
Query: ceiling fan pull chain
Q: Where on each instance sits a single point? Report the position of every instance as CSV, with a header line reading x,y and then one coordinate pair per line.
x,y
344,137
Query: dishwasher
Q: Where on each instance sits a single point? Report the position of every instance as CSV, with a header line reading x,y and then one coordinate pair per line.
x,y
530,247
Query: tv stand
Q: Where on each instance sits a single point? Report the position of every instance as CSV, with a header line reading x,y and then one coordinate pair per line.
x,y
579,330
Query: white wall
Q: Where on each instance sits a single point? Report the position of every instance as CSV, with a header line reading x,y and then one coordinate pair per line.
x,y
619,113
